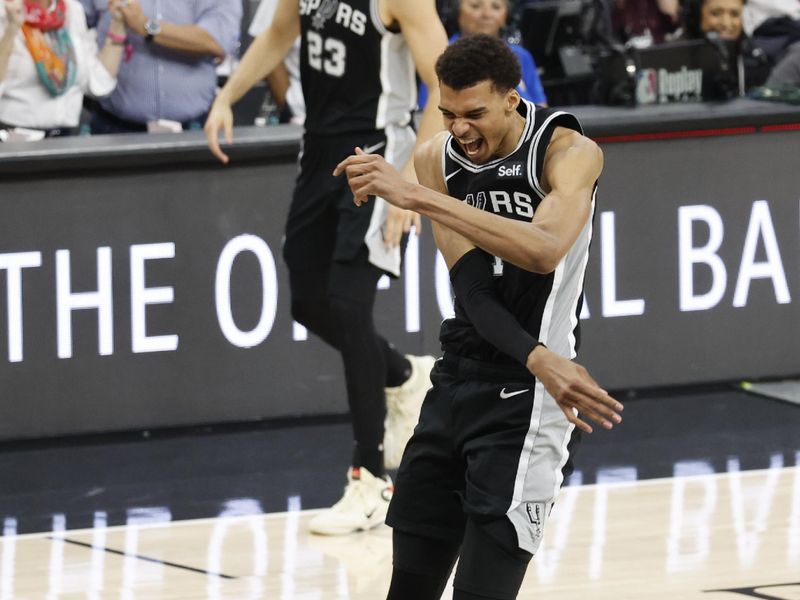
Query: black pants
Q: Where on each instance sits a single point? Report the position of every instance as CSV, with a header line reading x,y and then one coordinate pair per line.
x,y
103,122
333,286
336,305
48,133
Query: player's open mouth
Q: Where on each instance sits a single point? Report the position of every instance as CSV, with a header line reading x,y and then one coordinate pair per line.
x,y
472,147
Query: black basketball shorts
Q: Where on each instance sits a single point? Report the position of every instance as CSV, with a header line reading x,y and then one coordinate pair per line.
x,y
490,444
323,223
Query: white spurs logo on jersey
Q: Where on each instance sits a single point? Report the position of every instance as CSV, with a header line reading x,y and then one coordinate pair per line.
x,y
345,15
501,202
325,10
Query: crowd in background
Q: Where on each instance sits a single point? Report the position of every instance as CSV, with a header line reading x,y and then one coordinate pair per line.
x,y
766,32
114,66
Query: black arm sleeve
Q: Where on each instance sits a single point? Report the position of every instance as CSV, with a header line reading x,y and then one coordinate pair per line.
x,y
471,277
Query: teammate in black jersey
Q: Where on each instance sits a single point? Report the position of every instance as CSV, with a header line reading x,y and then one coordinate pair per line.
x,y
358,60
511,192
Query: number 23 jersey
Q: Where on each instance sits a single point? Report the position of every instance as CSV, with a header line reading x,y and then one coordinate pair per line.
x,y
357,75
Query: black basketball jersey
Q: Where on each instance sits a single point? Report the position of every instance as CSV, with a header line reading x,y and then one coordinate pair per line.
x,y
356,74
547,306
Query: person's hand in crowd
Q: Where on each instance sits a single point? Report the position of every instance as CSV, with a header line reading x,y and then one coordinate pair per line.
x,y
15,10
115,8
671,8
574,389
220,117
134,17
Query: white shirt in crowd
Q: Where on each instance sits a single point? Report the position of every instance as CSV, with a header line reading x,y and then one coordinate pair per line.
x,y
25,102
294,95
758,11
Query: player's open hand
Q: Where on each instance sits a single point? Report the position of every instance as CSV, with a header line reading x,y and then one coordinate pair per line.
x,y
220,117
370,175
398,222
574,390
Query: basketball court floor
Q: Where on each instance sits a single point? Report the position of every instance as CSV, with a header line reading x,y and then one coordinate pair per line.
x,y
695,496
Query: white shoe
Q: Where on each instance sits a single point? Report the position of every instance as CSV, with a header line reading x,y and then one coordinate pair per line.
x,y
402,409
363,506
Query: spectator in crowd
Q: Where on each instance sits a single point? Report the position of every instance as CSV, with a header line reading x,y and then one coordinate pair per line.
x,y
721,16
642,23
49,60
774,26
284,81
489,17
723,19
170,71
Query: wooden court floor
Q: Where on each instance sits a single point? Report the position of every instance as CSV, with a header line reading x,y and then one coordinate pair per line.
x,y
724,536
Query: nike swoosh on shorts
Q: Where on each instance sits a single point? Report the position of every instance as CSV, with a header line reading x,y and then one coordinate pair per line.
x,y
504,394
373,148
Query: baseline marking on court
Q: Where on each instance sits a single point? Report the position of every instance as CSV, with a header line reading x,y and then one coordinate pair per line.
x,y
753,592
139,557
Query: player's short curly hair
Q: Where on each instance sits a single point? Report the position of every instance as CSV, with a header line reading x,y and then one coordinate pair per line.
x,y
475,58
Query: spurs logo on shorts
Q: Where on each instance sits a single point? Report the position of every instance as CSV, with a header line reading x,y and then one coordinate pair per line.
x,y
535,512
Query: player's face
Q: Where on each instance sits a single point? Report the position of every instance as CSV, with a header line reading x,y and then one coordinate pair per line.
x,y
481,16
480,119
722,16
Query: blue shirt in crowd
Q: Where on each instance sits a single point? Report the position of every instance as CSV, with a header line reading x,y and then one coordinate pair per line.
x,y
530,86
159,83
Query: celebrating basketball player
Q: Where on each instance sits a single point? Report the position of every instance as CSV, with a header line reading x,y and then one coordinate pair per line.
x,y
511,191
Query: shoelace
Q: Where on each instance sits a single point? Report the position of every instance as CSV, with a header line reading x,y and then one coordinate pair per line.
x,y
353,488
356,487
